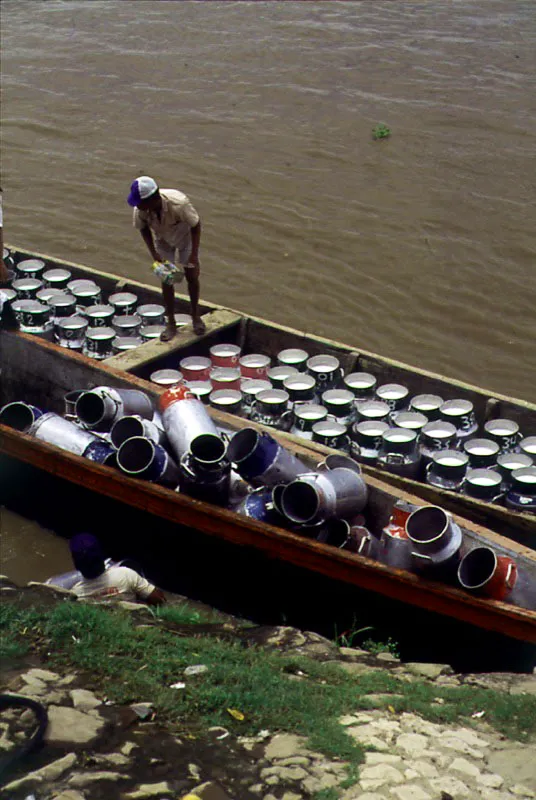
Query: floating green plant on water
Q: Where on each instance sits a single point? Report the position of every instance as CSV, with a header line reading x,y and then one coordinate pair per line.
x,y
381,131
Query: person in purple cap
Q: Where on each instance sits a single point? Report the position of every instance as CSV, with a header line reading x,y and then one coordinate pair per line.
x,y
171,229
112,583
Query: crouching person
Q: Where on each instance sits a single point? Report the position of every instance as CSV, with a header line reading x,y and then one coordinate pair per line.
x,y
112,583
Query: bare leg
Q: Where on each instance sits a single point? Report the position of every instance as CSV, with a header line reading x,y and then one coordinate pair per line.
x,y
192,279
168,296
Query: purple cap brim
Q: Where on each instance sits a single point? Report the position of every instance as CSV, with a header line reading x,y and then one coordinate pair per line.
x,y
134,198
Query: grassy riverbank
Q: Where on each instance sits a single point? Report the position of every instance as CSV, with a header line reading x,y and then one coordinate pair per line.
x,y
138,657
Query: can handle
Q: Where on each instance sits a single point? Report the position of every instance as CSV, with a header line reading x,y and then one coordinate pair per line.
x,y
511,575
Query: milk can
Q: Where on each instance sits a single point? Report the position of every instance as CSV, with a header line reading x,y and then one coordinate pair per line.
x,y
304,417
436,541
44,295
200,389
340,404
62,433
254,365
331,433
98,343
228,400
361,384
522,493
32,316
56,278
87,293
27,288
205,471
19,416
133,425
481,452
505,432
151,314
62,305
166,377
261,460
122,343
399,452
395,395
427,404
70,332
293,357
149,333
338,492
100,315
30,268
301,388
271,408
372,410
366,440
413,420
126,324
184,418
143,458
447,469
225,355
461,414
100,407
259,505
195,368
123,302
483,484
326,370
527,446
225,378
484,572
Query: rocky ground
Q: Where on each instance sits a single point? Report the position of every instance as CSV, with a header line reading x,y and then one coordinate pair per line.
x,y
95,750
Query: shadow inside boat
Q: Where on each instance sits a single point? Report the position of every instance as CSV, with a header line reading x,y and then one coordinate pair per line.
x,y
240,581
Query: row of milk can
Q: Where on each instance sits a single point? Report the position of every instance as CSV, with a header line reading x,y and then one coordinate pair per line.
x,y
422,437
250,472
51,303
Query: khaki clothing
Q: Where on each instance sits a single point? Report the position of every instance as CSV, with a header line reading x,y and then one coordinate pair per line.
x,y
119,583
171,232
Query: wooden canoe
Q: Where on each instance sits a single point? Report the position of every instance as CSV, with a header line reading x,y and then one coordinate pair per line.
x,y
260,336
41,373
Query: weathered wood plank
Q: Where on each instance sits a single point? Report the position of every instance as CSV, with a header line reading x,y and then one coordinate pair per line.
x,y
218,320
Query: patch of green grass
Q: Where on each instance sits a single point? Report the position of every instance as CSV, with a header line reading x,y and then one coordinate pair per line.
x,y
181,614
326,794
375,647
243,689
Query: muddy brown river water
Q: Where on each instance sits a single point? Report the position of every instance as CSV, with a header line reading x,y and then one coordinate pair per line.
x,y
420,246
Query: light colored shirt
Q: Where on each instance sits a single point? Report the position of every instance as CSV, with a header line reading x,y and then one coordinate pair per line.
x,y
177,218
116,583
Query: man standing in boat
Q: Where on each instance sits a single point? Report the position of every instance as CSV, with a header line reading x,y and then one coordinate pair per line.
x,y
171,228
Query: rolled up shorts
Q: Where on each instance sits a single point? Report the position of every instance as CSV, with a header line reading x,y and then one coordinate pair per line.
x,y
169,253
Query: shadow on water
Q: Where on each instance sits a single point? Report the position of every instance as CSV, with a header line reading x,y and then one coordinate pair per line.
x,y
239,581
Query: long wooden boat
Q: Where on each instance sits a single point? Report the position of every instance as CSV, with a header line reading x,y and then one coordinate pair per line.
x,y
255,335
42,373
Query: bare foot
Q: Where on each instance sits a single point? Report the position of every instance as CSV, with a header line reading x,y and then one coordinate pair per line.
x,y
168,334
199,327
